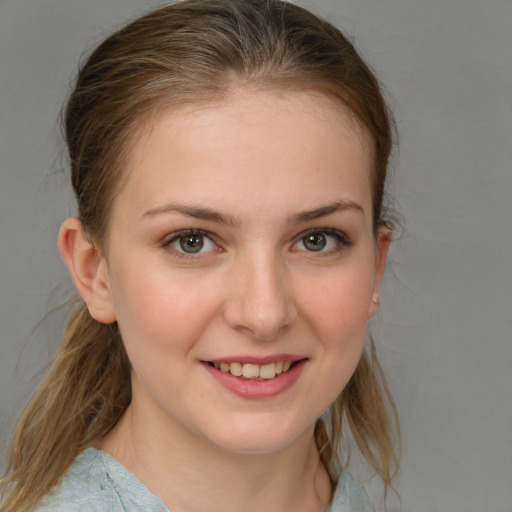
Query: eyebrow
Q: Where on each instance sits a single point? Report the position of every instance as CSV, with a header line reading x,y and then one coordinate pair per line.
x,y
196,212
203,213
324,211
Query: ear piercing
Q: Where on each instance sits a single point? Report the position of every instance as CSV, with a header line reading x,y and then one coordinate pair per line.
x,y
376,298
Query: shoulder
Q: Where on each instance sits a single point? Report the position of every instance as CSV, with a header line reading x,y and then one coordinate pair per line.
x,y
350,496
80,487
98,483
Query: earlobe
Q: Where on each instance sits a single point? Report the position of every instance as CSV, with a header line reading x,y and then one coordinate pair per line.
x,y
381,253
87,267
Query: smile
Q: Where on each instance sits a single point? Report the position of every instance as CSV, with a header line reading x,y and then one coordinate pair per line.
x,y
258,379
254,371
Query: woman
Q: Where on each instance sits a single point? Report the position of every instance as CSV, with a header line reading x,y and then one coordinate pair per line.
x,y
229,161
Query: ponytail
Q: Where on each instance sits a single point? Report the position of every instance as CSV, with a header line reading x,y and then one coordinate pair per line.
x,y
368,409
81,399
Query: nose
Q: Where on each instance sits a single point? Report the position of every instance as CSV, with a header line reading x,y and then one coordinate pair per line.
x,y
261,303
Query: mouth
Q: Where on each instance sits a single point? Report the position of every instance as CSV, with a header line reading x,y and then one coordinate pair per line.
x,y
257,377
255,372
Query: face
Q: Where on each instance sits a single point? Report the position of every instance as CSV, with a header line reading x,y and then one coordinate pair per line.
x,y
241,263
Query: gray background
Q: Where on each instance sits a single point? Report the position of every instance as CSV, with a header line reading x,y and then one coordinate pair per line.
x,y
444,329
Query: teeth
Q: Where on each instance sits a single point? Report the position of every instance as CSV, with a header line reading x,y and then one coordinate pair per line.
x,y
254,371
268,371
251,371
236,369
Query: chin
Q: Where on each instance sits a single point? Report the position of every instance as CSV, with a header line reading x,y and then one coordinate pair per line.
x,y
258,437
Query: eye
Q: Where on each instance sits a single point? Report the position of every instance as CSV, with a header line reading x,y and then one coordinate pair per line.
x,y
191,242
322,240
315,242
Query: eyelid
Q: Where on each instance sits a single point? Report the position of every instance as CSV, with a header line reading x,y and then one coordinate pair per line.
x,y
173,237
342,238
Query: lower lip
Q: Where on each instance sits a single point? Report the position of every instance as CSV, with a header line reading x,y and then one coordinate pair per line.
x,y
255,389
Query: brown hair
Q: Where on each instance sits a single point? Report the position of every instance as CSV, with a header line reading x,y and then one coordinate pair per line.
x,y
189,52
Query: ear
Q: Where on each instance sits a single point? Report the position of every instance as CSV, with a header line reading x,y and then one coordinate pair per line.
x,y
88,268
381,253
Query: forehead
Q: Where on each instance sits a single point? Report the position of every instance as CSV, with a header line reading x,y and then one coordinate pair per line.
x,y
264,142
253,103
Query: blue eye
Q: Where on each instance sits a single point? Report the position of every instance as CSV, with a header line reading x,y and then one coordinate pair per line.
x,y
322,240
191,242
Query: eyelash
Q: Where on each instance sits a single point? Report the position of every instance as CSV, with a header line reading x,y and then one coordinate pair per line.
x,y
183,233
342,240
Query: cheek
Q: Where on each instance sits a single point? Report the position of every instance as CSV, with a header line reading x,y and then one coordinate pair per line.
x,y
338,313
340,304
161,316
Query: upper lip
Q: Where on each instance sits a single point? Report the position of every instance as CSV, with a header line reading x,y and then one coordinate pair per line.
x,y
260,360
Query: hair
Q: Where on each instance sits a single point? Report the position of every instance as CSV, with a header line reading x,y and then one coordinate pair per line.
x,y
189,52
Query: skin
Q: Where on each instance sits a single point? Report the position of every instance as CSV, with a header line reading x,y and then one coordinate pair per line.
x,y
261,161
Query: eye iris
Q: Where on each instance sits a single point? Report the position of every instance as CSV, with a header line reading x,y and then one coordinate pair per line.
x,y
315,242
191,243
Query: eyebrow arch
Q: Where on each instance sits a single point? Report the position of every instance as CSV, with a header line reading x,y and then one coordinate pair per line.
x,y
203,213
323,211
196,212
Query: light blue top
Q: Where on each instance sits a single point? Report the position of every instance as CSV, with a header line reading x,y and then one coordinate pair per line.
x,y
96,482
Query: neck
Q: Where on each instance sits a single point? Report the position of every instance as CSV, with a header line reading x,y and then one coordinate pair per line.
x,y
191,475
